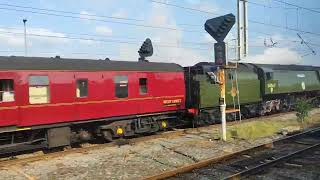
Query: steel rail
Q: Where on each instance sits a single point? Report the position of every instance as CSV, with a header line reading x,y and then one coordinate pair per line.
x,y
16,161
227,156
261,167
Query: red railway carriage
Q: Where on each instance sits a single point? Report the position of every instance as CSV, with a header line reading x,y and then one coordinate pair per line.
x,y
69,99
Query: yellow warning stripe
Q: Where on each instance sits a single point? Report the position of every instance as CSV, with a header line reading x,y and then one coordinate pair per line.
x,y
23,129
90,102
11,107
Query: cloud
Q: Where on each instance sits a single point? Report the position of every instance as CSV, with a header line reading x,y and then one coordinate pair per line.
x,y
275,56
208,6
193,1
104,30
15,37
47,36
120,14
11,40
280,40
207,38
285,50
203,5
85,15
163,16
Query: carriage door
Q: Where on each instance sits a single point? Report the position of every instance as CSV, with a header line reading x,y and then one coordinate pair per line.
x,y
8,106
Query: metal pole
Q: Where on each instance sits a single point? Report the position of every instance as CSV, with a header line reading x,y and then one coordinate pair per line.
x,y
245,27
223,104
239,30
25,37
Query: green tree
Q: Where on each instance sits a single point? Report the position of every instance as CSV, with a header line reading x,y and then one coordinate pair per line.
x,y
303,108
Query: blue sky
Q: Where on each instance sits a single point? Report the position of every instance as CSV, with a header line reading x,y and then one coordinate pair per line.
x,y
84,33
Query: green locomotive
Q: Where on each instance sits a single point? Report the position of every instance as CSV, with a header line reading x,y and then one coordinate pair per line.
x,y
262,88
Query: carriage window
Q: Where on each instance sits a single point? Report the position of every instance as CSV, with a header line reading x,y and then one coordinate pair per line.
x,y
269,76
39,92
82,88
121,86
6,90
143,87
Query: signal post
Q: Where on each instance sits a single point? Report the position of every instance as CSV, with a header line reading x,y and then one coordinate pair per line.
x,y
222,102
219,28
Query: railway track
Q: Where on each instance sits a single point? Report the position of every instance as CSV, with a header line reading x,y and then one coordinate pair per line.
x,y
281,152
301,166
251,162
84,148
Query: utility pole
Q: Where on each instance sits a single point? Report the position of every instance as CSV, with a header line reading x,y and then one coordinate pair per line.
x,y
242,23
239,30
245,28
25,37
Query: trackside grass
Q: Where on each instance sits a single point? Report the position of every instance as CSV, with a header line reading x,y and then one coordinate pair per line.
x,y
262,128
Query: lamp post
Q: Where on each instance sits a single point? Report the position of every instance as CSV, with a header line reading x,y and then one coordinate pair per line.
x,y
25,37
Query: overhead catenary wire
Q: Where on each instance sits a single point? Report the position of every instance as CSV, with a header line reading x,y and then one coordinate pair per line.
x,y
90,17
285,28
297,6
156,27
70,12
286,3
183,7
269,6
117,40
85,15
100,40
2,28
294,41
103,20
121,42
252,21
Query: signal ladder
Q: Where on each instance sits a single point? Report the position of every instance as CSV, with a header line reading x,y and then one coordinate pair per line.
x,y
235,95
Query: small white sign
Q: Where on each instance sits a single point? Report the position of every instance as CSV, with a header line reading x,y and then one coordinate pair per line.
x,y
303,86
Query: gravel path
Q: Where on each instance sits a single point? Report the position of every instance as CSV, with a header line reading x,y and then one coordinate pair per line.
x,y
138,160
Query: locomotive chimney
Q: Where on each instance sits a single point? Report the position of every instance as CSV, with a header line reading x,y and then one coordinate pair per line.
x,y
146,50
